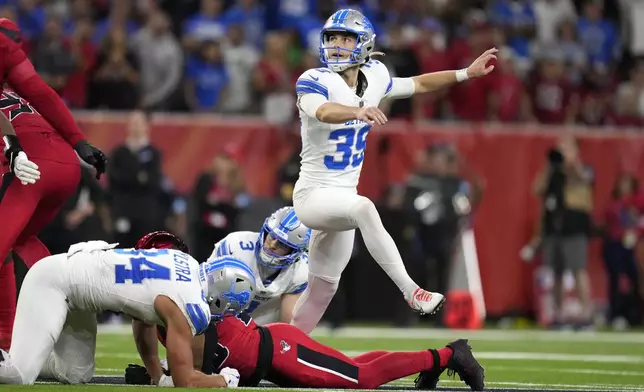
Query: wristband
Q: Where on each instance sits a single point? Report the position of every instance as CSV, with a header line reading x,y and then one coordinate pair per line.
x,y
461,75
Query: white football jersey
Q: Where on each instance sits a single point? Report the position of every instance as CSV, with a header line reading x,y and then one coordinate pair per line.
x,y
265,307
332,154
129,280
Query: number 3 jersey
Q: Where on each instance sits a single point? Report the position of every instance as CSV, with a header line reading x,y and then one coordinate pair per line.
x,y
266,305
129,280
332,154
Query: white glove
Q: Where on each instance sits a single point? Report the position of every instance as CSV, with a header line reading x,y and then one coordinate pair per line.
x,y
231,376
25,170
89,246
165,381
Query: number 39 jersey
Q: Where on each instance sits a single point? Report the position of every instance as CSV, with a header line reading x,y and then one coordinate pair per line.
x,y
265,307
129,280
332,154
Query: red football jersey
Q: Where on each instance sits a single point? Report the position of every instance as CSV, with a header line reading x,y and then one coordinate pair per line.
x,y
241,337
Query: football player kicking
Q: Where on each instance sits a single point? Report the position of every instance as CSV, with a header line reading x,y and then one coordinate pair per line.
x,y
278,257
338,106
287,357
54,334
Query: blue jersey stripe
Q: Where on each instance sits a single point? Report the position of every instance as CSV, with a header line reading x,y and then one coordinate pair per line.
x,y
299,288
197,317
390,85
309,86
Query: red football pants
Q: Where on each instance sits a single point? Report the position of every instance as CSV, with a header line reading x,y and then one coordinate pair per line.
x,y
24,211
299,361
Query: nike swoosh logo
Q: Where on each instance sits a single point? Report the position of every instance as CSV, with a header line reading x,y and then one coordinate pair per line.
x,y
314,78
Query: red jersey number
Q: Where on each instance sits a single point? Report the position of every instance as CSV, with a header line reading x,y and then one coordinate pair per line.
x,y
14,105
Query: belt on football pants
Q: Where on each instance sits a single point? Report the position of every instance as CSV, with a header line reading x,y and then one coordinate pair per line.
x,y
264,358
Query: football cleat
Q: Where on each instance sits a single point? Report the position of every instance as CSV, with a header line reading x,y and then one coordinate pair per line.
x,y
462,362
426,302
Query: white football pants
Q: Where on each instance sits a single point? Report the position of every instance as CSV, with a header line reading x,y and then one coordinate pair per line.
x,y
48,339
333,214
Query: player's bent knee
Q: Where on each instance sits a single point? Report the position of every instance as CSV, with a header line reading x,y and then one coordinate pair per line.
x,y
363,212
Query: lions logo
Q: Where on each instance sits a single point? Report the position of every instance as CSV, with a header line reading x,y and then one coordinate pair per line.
x,y
242,298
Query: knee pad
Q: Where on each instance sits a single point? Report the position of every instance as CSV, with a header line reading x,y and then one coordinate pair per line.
x,y
321,276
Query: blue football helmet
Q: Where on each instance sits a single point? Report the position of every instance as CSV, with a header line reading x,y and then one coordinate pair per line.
x,y
228,285
291,234
354,22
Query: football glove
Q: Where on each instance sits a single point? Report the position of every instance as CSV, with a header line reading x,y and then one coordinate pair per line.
x,y
231,376
137,375
92,156
25,170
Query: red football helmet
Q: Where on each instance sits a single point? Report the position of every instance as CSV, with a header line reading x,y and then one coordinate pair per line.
x,y
162,240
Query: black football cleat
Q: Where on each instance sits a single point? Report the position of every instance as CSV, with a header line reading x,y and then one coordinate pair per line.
x,y
461,362
428,379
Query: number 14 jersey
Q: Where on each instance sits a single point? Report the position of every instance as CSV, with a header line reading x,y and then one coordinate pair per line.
x,y
129,280
332,154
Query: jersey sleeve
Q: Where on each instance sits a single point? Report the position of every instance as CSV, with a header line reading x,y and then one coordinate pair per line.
x,y
193,306
313,81
394,88
222,248
300,277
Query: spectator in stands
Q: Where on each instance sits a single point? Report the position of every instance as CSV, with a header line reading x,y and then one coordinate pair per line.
x,y
207,79
119,17
31,18
161,60
115,78
240,59
402,62
549,15
432,57
565,188
216,201
550,98
274,81
519,24
629,100
134,183
622,233
507,91
51,57
251,15
207,24
598,35
79,10
84,54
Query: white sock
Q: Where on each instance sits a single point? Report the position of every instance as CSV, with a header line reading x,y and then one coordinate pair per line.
x,y
312,304
382,247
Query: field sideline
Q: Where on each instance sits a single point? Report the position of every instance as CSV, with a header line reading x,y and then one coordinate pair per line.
x,y
513,359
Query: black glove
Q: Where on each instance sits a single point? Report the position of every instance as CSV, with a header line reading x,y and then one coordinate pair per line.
x,y
11,149
137,375
92,156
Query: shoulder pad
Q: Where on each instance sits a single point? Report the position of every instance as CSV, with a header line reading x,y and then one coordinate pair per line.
x,y
313,81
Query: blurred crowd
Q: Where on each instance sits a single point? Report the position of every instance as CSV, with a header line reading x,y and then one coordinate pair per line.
x,y
561,61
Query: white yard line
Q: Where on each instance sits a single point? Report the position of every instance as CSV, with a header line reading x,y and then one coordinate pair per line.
x,y
429,333
568,371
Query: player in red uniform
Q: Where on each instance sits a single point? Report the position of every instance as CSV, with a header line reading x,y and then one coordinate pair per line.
x,y
46,132
286,356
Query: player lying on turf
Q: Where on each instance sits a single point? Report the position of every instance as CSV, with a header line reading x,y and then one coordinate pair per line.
x,y
54,334
286,356
278,257
338,106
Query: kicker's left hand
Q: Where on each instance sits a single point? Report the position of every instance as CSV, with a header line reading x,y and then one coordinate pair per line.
x,y
479,67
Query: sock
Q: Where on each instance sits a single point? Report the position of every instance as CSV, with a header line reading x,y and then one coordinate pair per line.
x,y
382,247
312,304
445,354
8,303
31,250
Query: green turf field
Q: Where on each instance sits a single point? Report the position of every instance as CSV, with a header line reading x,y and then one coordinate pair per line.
x,y
531,360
